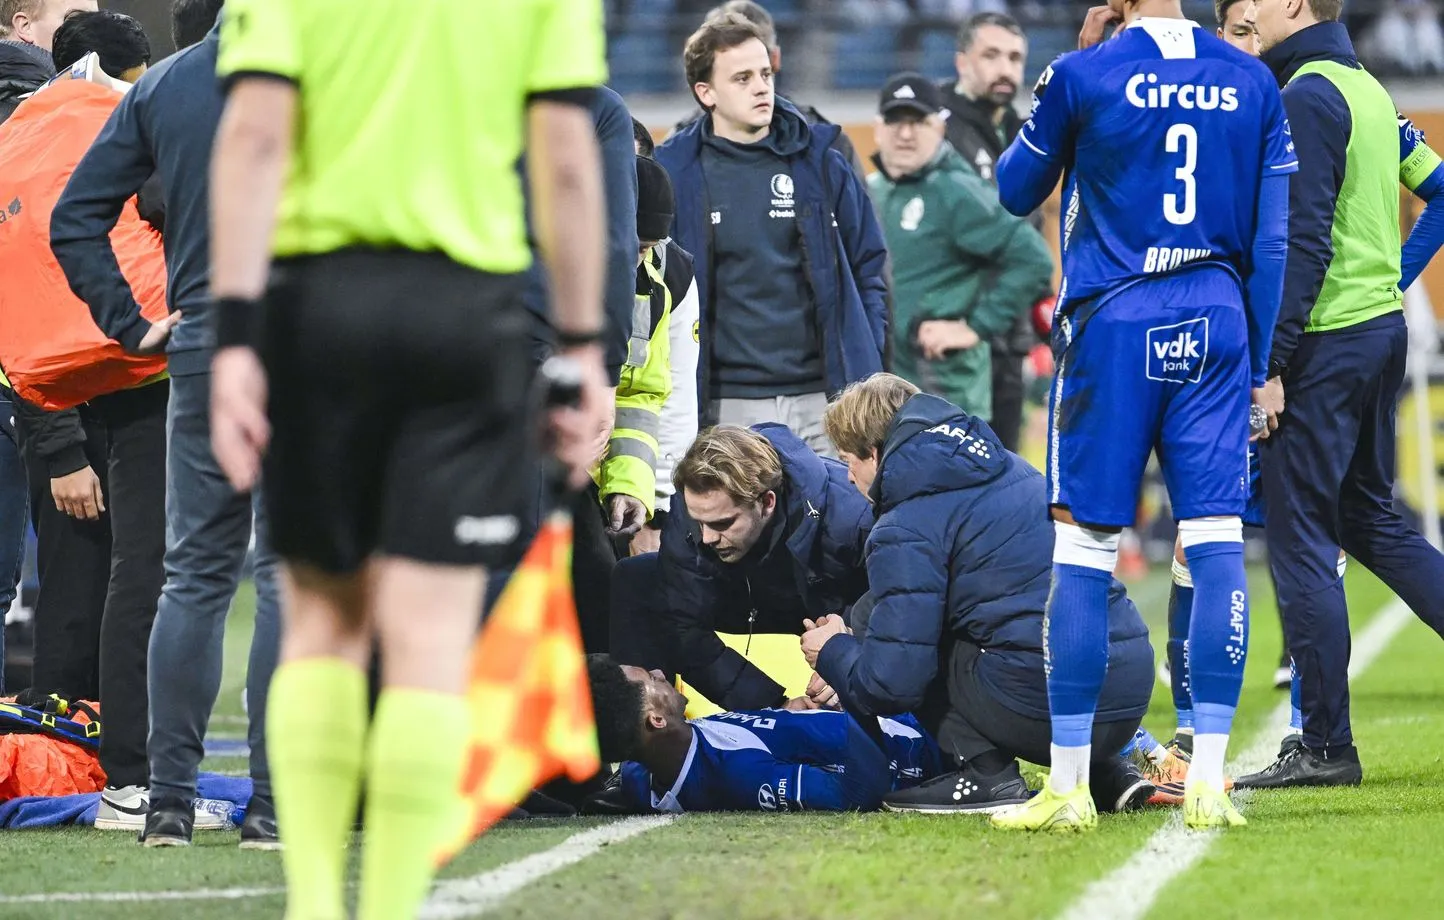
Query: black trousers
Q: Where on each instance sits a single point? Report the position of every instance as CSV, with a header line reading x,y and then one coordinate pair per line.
x,y
73,567
1007,421
1328,482
135,422
100,581
969,722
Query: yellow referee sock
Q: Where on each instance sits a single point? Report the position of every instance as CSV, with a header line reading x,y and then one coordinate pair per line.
x,y
315,737
413,800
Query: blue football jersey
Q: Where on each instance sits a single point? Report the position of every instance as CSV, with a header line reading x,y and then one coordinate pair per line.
x,y
778,760
1164,133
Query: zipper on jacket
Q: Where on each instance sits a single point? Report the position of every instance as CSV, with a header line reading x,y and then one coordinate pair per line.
x,y
751,617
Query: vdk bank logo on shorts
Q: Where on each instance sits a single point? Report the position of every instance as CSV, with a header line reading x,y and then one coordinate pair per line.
x,y
1176,354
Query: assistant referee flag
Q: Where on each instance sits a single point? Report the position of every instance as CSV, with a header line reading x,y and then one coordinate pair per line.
x,y
530,702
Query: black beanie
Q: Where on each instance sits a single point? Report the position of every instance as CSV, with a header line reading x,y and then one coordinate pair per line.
x,y
655,202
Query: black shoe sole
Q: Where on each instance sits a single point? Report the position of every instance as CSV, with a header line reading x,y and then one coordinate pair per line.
x,y
157,840
1245,782
979,809
1135,798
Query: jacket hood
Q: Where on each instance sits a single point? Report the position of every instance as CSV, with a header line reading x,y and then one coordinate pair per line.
x,y
23,68
933,447
1324,41
790,134
804,470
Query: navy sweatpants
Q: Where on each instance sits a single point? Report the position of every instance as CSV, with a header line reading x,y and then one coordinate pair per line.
x,y
1328,479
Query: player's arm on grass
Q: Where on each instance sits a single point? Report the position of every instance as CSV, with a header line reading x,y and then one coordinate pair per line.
x,y
1018,260
755,780
1423,174
1030,168
1321,124
890,671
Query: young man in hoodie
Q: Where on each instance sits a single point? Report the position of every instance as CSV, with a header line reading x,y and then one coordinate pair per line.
x,y
790,257
958,566
757,14
981,123
767,535
165,128
961,264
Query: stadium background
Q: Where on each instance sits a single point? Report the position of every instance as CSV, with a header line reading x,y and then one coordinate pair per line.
x,y
837,53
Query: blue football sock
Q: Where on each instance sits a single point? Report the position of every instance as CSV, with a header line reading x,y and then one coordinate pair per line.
x,y
1218,633
1075,639
1180,613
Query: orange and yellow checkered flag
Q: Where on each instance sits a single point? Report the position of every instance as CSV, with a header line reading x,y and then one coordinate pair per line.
x,y
530,701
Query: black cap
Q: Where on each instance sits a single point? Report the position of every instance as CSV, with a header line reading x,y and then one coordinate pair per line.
x,y
655,201
910,92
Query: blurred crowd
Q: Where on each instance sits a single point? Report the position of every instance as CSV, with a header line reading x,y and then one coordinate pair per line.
x,y
855,44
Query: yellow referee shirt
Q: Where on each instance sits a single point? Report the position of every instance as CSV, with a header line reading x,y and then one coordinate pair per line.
x,y
411,115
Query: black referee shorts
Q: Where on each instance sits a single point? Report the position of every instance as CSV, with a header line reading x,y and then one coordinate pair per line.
x,y
400,407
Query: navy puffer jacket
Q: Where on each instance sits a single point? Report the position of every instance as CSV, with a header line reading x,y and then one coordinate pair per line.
x,y
963,549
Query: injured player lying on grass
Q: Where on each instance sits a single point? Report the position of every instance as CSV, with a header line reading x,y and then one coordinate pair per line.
x,y
768,760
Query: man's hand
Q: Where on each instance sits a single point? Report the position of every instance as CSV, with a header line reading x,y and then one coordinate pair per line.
x,y
938,337
817,635
800,704
1270,398
820,693
647,540
609,421
240,430
1098,20
153,342
627,515
78,494
574,428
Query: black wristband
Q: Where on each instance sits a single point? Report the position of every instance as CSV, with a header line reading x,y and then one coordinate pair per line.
x,y
567,339
237,322
1277,368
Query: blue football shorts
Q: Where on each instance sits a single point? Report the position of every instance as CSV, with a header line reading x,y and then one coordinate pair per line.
x,y
1160,366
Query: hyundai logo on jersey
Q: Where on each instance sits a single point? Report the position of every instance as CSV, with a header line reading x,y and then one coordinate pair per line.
x,y
1176,353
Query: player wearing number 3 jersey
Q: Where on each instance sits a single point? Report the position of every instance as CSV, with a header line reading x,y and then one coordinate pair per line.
x,y
1175,152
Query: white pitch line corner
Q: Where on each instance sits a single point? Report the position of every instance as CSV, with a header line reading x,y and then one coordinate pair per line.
x,y
1129,891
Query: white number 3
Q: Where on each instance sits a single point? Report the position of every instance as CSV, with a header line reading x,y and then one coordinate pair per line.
x,y
1185,138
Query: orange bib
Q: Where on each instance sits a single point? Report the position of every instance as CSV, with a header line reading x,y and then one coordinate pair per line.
x,y
50,347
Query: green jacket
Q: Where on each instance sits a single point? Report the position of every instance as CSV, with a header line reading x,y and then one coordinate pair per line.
x,y
956,254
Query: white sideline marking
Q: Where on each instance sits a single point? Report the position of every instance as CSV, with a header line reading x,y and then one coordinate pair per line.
x,y
471,897
452,899
197,894
1128,892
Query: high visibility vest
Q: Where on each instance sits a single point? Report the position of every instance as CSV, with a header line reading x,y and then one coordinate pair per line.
x,y
630,466
53,353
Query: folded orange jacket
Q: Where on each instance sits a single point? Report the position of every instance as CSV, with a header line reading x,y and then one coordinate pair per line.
x,y
51,349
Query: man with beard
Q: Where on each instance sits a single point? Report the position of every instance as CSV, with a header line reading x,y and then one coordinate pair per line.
x,y
992,52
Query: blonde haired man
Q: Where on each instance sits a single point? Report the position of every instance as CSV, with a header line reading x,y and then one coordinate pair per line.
x,y
767,536
958,566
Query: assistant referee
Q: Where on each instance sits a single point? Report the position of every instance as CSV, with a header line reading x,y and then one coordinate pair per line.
x,y
370,148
